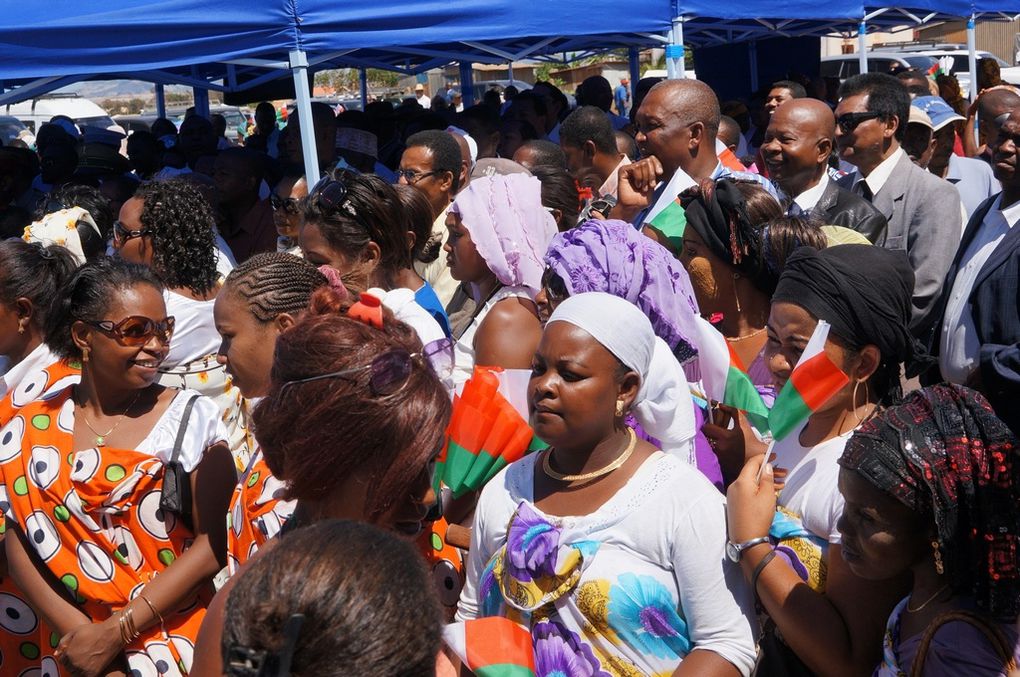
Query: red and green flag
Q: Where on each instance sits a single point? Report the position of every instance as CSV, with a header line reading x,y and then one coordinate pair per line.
x,y
486,432
666,216
492,647
725,379
813,381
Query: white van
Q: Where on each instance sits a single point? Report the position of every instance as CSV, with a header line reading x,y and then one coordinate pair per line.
x,y
37,112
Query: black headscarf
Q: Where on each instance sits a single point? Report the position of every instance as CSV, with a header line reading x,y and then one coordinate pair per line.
x,y
945,455
862,291
717,211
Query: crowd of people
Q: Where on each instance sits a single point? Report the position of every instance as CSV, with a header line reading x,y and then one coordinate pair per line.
x,y
765,364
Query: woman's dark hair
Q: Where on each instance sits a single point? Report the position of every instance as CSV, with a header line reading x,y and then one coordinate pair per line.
x,y
988,73
36,273
87,296
316,434
559,191
274,283
418,210
781,236
370,211
93,244
183,244
369,606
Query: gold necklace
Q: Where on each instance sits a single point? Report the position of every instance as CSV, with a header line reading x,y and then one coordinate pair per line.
x,y
101,437
734,339
930,599
547,468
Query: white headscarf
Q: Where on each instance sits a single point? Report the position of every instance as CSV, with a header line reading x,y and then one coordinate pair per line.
x,y
61,228
663,407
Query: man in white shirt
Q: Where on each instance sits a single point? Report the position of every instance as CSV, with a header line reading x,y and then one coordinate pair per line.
x,y
796,151
923,211
423,99
977,340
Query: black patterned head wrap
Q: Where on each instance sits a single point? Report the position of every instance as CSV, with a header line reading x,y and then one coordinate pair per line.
x,y
944,454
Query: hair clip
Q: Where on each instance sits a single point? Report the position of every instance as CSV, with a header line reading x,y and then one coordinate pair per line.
x,y
334,281
243,661
368,309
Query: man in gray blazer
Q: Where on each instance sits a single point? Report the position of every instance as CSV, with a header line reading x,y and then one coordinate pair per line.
x,y
923,210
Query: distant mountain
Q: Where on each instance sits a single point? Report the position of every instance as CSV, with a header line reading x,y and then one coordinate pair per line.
x,y
105,89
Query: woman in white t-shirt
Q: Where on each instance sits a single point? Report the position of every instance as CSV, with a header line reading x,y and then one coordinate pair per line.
x,y
169,226
821,618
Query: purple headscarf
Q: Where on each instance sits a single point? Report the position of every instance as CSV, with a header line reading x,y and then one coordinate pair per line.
x,y
509,226
613,257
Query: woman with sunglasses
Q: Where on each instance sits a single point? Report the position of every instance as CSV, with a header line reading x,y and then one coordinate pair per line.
x,y
821,617
169,227
609,551
31,277
116,559
262,298
356,224
352,421
931,488
498,233
286,202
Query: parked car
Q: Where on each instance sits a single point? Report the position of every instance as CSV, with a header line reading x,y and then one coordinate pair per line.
x,y
961,64
34,113
135,123
844,66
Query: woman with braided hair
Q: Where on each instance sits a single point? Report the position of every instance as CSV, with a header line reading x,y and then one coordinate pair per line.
x,y
261,298
169,227
931,489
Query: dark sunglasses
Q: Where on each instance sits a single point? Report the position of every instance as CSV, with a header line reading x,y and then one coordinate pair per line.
x,y
287,205
412,177
555,289
136,330
122,234
390,371
848,122
331,194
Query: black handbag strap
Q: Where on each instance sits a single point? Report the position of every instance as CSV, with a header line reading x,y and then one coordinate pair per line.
x,y
183,428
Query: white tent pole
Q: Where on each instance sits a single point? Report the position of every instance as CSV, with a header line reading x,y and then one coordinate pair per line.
x,y
670,64
972,55
862,46
299,68
675,51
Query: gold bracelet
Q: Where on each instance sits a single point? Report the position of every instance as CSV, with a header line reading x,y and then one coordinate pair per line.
x,y
153,609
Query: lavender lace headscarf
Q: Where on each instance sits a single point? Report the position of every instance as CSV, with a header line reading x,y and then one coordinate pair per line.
x,y
613,257
509,226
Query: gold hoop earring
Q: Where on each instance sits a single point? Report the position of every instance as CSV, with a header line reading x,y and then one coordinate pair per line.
x,y
939,567
853,400
619,409
736,297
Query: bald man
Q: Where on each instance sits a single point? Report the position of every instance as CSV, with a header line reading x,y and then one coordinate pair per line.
x,y
677,126
798,143
993,106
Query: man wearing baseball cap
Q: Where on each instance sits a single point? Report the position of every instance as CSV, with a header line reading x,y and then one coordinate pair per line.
x,y
973,178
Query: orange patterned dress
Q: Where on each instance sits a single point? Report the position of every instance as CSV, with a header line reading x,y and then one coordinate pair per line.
x,y
257,512
93,518
22,633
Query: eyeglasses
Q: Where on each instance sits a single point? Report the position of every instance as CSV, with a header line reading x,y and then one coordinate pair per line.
x,y
287,205
331,193
848,122
136,330
412,177
390,371
122,234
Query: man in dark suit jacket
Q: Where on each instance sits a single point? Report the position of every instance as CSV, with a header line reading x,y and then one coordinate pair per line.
x,y
977,340
924,212
797,146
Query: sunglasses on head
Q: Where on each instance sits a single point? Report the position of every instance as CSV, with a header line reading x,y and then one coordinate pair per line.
x,y
288,205
122,234
555,288
389,372
136,330
848,122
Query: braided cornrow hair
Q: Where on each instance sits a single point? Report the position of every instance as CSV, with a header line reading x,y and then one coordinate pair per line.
x,y
275,283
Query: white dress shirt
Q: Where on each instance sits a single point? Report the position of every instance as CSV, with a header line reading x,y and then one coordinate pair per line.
x,y
810,197
39,358
880,174
959,346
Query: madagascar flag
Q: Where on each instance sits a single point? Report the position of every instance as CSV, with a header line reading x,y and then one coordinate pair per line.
x,y
724,378
814,380
492,647
666,216
485,433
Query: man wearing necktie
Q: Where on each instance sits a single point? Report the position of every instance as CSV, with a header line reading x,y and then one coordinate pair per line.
x,y
923,211
798,143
